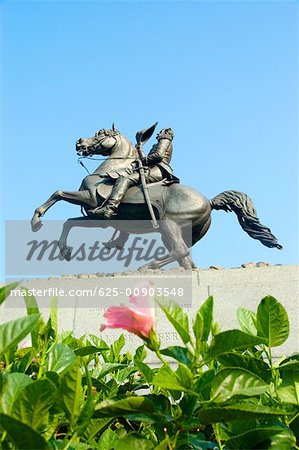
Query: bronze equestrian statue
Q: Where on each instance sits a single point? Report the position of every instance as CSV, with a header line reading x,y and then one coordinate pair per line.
x,y
120,189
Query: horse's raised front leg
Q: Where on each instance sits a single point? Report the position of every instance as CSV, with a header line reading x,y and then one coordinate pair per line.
x,y
83,198
172,234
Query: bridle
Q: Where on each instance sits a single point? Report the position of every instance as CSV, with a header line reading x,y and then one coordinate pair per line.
x,y
106,158
91,158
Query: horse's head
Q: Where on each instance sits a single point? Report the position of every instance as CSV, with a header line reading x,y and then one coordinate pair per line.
x,y
101,143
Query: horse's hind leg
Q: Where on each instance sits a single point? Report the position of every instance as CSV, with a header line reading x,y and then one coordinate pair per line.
x,y
62,241
179,251
76,198
65,250
198,231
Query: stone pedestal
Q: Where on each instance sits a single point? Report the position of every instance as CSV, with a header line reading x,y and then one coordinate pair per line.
x,y
231,288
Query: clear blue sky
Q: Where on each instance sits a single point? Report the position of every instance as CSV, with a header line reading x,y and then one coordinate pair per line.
x,y
221,74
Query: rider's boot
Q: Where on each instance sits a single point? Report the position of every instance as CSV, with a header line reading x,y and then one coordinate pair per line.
x,y
121,186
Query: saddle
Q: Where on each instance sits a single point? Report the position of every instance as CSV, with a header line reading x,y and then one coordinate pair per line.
x,y
134,194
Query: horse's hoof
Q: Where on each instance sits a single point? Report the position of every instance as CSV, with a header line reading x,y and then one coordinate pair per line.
x,y
143,268
66,252
108,245
36,224
91,214
113,244
147,267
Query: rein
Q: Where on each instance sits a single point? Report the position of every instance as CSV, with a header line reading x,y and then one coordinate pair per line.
x,y
105,159
99,159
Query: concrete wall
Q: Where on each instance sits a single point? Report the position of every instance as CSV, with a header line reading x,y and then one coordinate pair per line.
x,y
231,288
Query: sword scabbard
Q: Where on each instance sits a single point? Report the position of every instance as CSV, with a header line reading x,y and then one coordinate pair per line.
x,y
144,186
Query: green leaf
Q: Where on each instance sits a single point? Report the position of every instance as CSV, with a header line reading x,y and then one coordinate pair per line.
x,y
166,378
246,320
133,442
232,340
242,411
178,318
235,381
254,365
288,391
71,392
54,315
285,440
294,425
206,312
198,442
86,412
88,350
108,440
272,322
60,445
52,376
123,374
6,290
98,342
146,371
79,446
101,386
185,376
105,368
140,353
290,363
181,354
129,405
26,355
11,333
23,436
117,346
30,302
263,437
198,331
33,403
203,384
61,358
163,445
95,426
14,383
162,404
32,308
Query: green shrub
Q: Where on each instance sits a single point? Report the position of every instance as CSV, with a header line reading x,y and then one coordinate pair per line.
x,y
222,390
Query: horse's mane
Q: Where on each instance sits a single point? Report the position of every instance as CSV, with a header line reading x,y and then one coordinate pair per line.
x,y
109,132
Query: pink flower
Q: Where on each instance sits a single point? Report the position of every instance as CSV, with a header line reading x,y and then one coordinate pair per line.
x,y
140,319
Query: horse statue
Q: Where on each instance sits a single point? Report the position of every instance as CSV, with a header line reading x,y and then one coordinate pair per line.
x,y
174,204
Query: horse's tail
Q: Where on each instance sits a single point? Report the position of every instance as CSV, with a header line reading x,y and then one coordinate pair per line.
x,y
242,205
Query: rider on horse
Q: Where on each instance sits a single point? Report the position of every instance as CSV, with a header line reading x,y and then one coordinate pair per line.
x,y
157,168
181,204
